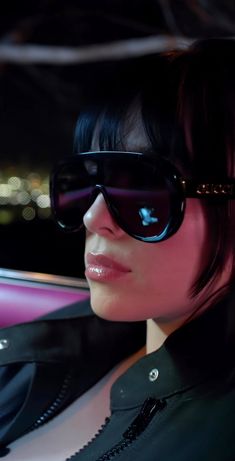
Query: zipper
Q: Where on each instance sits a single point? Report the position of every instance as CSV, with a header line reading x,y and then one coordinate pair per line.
x,y
101,429
48,414
150,407
54,407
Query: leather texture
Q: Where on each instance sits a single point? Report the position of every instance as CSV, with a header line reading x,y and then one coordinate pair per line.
x,y
51,361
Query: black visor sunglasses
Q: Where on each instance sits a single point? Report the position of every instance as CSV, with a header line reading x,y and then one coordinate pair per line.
x,y
146,197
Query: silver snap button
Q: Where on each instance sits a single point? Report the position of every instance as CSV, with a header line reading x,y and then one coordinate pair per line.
x,y
4,344
153,374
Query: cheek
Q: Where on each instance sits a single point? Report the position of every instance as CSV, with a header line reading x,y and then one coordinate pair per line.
x,y
165,272
189,244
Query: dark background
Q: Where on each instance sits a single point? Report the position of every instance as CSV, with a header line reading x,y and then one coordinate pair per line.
x,y
39,102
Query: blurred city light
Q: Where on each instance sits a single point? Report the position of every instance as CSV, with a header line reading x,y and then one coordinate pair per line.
x,y
23,195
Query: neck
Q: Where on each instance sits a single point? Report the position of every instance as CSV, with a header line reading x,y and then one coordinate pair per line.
x,y
157,332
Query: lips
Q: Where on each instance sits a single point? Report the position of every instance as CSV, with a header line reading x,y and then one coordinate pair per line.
x,y
100,267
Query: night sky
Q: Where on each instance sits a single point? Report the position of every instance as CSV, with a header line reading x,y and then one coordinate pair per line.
x,y
38,104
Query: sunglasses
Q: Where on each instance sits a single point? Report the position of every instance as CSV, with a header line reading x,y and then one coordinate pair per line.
x,y
146,197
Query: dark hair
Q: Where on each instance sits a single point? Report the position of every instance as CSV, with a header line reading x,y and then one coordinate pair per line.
x,y
186,100
206,111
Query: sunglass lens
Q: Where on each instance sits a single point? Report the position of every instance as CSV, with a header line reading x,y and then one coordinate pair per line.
x,y
143,213
139,196
71,195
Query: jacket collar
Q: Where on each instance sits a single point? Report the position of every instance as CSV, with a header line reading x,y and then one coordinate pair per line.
x,y
191,355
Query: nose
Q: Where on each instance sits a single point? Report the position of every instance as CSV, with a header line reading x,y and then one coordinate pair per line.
x,y
98,220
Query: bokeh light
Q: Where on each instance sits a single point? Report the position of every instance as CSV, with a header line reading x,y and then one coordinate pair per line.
x,y
28,213
24,195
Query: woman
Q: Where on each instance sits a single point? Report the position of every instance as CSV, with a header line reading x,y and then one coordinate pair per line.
x,y
154,187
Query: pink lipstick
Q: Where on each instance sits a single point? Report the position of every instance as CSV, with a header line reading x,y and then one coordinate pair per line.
x,y
104,268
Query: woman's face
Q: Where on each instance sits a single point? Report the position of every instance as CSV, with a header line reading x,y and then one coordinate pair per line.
x,y
132,280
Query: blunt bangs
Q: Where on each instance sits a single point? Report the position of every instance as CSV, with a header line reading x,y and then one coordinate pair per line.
x,y
138,90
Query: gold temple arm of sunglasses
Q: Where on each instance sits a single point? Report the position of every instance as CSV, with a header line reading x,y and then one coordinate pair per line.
x,y
203,189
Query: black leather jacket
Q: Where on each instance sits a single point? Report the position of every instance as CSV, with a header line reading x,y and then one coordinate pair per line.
x,y
178,403
50,362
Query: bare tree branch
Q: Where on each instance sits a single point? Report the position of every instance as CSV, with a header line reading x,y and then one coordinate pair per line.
x,y
53,55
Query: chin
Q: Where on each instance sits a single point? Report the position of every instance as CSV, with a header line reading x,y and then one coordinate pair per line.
x,y
108,305
104,309
115,307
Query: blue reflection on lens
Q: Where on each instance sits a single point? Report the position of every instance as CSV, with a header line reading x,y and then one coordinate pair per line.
x,y
146,216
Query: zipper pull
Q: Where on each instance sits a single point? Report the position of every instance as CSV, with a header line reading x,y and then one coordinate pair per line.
x,y
147,412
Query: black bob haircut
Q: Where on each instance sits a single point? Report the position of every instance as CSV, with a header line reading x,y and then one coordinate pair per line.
x,y
186,100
